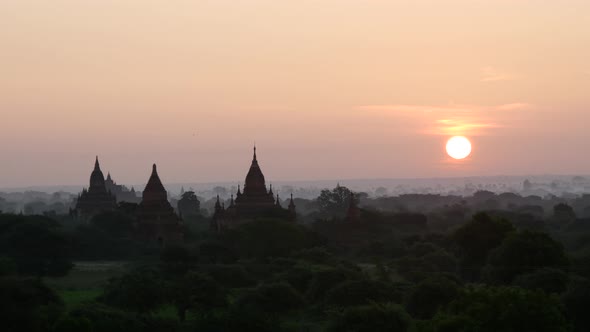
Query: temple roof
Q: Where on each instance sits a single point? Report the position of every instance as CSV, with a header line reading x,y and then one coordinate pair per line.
x,y
154,184
255,182
97,178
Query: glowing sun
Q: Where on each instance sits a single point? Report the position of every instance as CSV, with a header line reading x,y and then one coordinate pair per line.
x,y
458,147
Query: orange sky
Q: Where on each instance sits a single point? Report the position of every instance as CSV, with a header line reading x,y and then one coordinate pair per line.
x,y
328,89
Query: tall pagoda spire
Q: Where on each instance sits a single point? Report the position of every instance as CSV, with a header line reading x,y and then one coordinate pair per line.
x,y
154,189
97,183
255,183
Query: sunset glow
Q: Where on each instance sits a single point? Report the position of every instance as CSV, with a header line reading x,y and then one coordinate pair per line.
x,y
197,82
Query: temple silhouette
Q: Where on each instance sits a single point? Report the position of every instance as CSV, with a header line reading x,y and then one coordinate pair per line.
x,y
121,192
254,202
156,219
96,199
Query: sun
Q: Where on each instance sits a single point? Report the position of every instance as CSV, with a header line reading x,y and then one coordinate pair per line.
x,y
459,147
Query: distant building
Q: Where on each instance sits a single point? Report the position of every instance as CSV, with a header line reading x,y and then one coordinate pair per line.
x,y
96,198
122,193
255,202
156,219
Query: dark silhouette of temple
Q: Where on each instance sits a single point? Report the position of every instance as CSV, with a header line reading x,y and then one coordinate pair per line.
x,y
156,220
96,198
121,192
254,202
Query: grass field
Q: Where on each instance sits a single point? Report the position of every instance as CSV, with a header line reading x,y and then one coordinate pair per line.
x,y
85,281
73,298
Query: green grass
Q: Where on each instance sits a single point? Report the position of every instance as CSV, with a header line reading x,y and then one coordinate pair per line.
x,y
73,298
85,281
88,276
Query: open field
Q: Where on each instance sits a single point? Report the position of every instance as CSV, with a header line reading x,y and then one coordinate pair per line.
x,y
85,281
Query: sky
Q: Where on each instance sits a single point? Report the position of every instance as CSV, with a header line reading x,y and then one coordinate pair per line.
x,y
328,89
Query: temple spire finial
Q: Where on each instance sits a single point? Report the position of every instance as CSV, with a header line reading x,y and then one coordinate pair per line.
x,y
96,164
255,151
154,169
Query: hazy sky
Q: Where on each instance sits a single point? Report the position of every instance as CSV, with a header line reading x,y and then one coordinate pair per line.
x,y
329,89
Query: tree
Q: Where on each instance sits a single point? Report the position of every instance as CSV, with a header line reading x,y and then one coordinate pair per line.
x,y
266,238
477,238
28,305
549,280
495,309
429,295
359,292
273,298
114,223
196,291
299,277
176,260
231,275
370,318
36,244
101,318
7,266
326,279
577,302
563,213
334,202
189,205
522,253
141,290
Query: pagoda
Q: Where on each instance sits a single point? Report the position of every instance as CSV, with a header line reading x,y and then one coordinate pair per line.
x,y
96,199
121,192
156,220
255,201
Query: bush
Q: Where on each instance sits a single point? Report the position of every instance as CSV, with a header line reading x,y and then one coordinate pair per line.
x,y
270,238
577,302
272,298
232,276
546,279
429,295
359,292
28,305
141,290
298,276
509,309
523,253
103,319
324,280
371,318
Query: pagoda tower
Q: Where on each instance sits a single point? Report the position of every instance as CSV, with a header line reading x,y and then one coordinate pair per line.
x,y
254,201
96,199
156,218
255,196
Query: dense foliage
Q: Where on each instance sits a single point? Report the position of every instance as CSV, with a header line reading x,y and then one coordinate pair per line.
x,y
426,267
